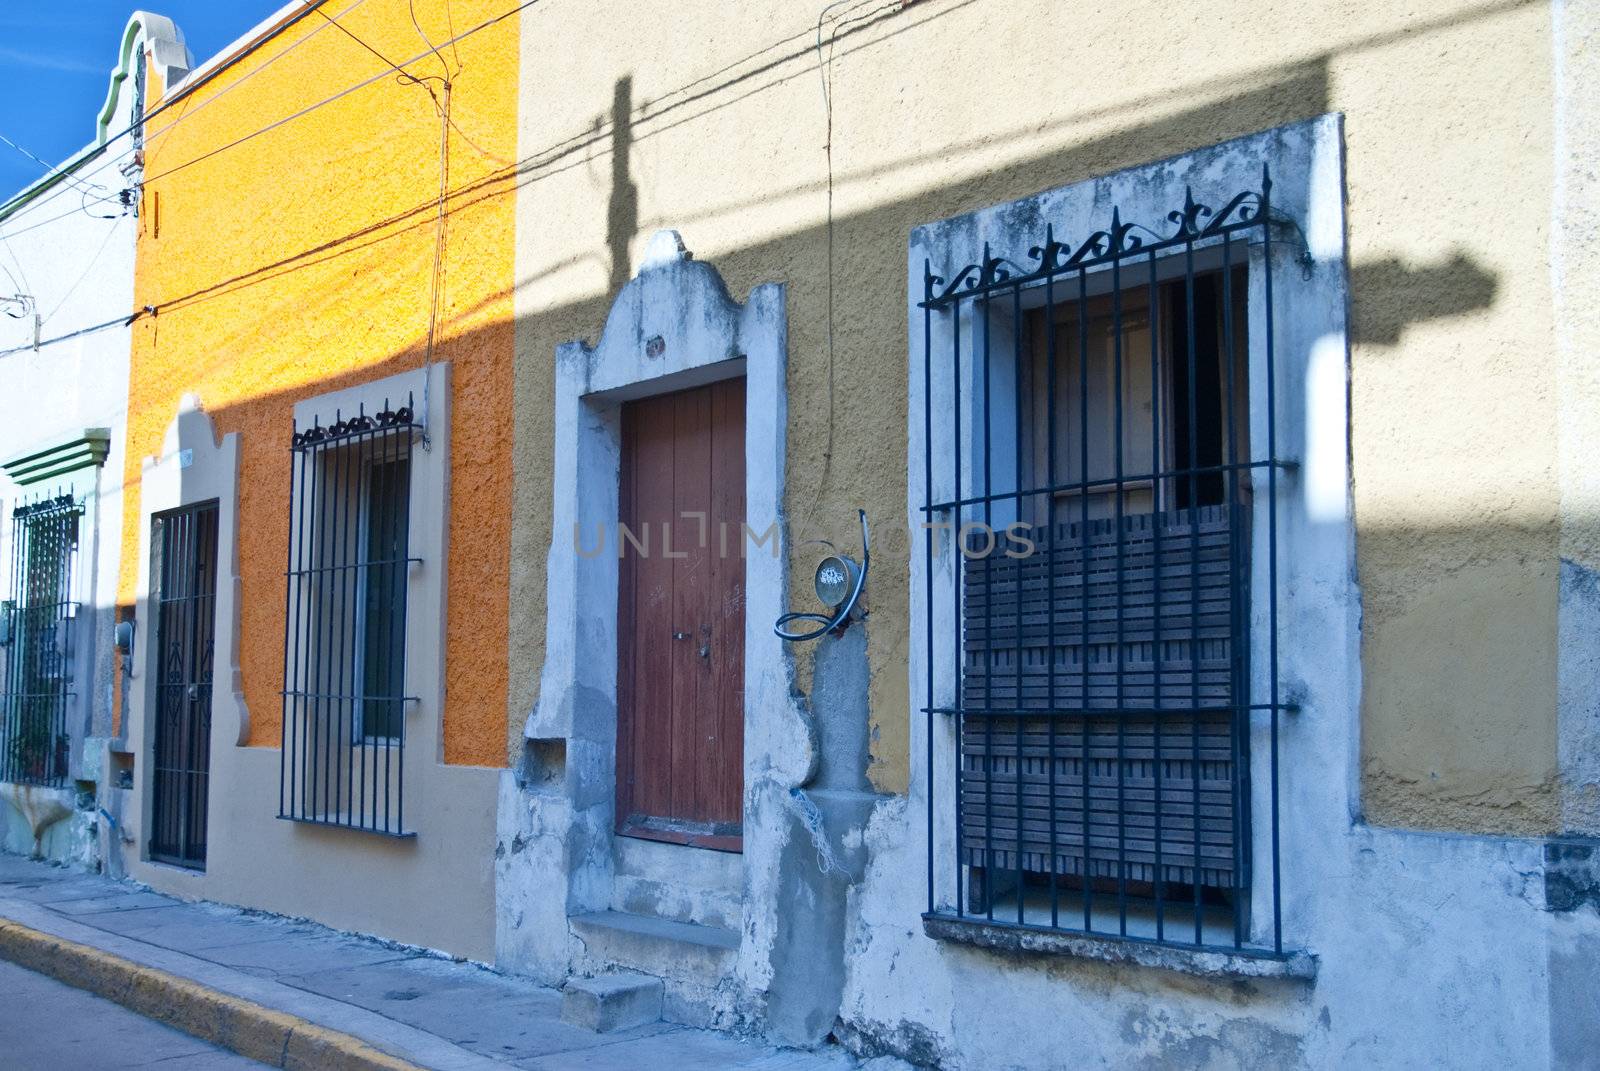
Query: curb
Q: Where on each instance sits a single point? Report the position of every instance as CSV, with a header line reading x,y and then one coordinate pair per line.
x,y
275,1038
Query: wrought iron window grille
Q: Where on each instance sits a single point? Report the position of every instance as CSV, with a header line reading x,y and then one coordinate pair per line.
x,y
36,636
1109,695
342,759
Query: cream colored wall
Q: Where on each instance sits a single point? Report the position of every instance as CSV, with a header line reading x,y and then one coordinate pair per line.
x,y
943,106
434,889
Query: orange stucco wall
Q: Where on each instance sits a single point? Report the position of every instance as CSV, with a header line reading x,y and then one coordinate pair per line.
x,y
301,260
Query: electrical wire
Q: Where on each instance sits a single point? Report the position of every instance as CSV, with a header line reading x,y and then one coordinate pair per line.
x,y
121,321
95,259
824,72
144,117
463,35
150,310
50,169
436,289
189,113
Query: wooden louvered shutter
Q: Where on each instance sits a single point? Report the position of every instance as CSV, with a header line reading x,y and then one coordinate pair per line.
x,y
1041,688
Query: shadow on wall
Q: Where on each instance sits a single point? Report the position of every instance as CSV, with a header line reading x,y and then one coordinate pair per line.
x,y
870,366
1388,295
622,212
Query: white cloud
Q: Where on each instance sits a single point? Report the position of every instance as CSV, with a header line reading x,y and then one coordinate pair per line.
x,y
49,63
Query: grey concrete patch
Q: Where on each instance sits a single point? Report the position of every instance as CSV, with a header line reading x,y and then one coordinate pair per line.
x,y
299,954
190,927
471,1007
121,901
1571,873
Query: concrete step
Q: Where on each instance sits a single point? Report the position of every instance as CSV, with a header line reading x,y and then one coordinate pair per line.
x,y
616,1001
665,948
677,882
692,960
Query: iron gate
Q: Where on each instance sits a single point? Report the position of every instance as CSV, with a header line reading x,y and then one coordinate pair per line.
x,y
186,592
37,633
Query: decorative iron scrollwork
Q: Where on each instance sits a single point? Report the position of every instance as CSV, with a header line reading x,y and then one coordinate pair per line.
x,y
387,419
1196,221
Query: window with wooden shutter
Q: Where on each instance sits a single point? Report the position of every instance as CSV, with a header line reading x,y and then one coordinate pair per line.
x,y
1097,414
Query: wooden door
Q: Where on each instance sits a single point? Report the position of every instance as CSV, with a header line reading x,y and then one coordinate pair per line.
x,y
680,618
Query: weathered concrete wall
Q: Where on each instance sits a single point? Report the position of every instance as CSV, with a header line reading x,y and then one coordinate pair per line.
x,y
1452,372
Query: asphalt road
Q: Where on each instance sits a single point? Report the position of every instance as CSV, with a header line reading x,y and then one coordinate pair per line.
x,y
48,1026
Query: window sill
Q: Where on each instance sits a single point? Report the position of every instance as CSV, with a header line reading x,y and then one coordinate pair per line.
x,y
1204,963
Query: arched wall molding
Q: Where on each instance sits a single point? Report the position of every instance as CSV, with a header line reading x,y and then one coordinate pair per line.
x,y
169,58
194,466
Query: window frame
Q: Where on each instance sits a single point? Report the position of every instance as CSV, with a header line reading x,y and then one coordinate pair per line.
x,y
1308,493
332,772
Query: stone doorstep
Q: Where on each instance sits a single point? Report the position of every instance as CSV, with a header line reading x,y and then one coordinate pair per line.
x,y
614,1001
664,947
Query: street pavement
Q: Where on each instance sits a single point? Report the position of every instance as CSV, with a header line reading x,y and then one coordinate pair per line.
x,y
50,1026
431,1010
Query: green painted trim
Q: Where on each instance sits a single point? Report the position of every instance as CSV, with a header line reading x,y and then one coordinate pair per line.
x,y
83,450
119,74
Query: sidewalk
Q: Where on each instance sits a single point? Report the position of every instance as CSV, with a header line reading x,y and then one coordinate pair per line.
x,y
299,977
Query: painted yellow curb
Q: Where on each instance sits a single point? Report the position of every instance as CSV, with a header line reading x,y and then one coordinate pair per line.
x,y
275,1038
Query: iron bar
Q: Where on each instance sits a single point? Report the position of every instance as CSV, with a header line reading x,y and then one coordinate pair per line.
x,y
1152,582
344,694
38,680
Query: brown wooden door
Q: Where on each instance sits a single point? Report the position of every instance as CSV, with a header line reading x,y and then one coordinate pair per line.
x,y
680,618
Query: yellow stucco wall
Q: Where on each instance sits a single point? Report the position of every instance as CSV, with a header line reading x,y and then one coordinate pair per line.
x,y
689,116
288,262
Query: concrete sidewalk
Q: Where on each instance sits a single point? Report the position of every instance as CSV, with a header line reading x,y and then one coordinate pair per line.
x,y
337,989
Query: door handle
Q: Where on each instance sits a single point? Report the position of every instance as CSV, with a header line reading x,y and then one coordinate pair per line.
x,y
680,635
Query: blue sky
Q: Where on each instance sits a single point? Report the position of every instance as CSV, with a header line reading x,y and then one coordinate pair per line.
x,y
55,63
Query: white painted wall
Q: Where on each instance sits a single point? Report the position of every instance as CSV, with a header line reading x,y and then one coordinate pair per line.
x,y
67,254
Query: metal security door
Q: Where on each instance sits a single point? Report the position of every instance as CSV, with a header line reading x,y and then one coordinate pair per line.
x,y
680,618
36,632
186,595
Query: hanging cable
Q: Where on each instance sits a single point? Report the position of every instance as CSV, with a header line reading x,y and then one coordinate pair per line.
x,y
463,35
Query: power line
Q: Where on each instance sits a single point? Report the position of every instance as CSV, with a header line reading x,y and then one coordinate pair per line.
x,y
50,169
121,321
142,117
151,310
303,111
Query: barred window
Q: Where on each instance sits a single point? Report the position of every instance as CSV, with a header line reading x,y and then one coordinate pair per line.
x,y
36,631
1089,454
345,697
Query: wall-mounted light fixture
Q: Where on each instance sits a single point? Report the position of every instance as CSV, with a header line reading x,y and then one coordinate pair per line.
x,y
123,638
838,583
